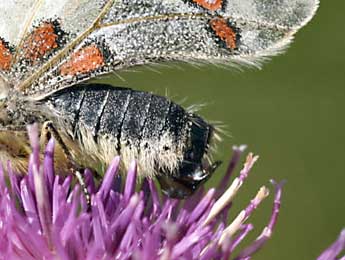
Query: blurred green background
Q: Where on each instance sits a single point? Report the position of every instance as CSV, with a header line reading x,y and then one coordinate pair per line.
x,y
291,113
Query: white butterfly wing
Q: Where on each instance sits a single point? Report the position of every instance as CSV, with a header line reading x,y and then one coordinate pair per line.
x,y
269,25
26,38
110,35
13,17
282,13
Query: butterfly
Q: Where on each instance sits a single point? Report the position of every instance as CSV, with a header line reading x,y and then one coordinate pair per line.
x,y
49,49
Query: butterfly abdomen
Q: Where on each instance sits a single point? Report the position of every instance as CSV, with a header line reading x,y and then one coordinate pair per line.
x,y
108,121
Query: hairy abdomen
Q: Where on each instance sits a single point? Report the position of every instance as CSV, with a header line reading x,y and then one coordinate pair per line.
x,y
107,121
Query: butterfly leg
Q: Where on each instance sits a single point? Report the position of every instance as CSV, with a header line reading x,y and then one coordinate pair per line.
x,y
49,131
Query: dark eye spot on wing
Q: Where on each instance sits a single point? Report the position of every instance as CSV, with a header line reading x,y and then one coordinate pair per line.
x,y
211,5
83,61
43,40
226,32
5,55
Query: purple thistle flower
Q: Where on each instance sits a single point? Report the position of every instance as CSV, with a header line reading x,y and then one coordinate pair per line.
x,y
334,251
43,216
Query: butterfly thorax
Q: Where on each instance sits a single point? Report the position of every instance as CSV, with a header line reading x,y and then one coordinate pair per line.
x,y
17,111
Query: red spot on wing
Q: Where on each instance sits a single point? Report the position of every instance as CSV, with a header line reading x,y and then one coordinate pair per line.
x,y
40,42
224,31
83,61
211,5
5,56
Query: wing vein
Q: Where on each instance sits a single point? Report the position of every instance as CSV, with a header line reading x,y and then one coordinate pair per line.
x,y
175,16
24,32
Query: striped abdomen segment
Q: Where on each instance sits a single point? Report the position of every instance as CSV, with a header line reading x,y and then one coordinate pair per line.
x,y
137,125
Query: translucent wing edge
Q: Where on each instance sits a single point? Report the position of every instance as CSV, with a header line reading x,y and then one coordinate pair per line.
x,y
279,47
312,13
